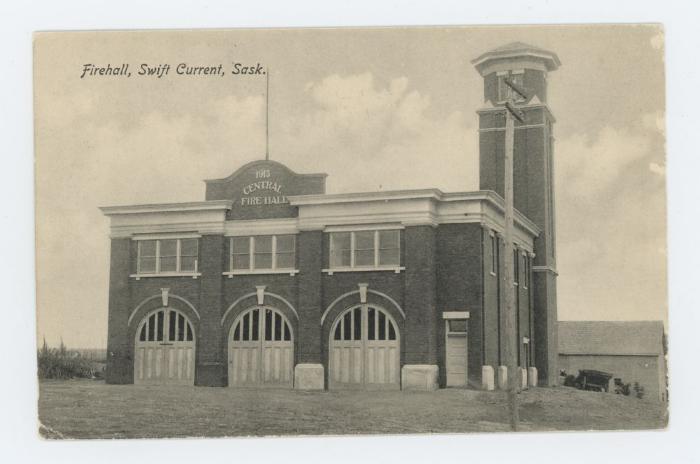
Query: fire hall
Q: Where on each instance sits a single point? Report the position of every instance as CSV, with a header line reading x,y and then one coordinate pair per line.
x,y
272,282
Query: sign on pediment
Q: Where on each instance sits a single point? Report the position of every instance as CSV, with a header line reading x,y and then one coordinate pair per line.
x,y
260,189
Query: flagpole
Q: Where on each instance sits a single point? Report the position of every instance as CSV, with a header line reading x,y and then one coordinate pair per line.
x,y
267,114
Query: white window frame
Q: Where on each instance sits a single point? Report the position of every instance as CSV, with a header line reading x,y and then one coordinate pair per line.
x,y
158,273
493,243
251,257
397,268
526,273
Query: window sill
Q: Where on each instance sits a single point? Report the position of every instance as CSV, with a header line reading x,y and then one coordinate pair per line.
x,y
395,269
194,275
291,272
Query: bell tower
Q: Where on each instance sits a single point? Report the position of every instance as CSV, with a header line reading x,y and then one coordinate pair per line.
x,y
533,189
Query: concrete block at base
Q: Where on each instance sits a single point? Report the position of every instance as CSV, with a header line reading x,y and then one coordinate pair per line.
x,y
532,376
523,378
502,377
487,378
308,377
422,377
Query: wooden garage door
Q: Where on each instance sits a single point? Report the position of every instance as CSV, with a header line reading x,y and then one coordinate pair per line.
x,y
261,349
164,349
364,350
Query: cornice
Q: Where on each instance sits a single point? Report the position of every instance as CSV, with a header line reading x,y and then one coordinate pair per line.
x,y
500,109
420,207
212,205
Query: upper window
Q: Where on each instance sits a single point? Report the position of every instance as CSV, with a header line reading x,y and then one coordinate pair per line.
x,y
526,277
164,256
505,92
516,266
494,254
263,253
365,249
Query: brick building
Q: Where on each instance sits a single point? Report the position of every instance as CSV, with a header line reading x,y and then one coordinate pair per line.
x,y
272,282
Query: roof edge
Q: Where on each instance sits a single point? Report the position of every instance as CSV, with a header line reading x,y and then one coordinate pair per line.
x,y
167,207
256,162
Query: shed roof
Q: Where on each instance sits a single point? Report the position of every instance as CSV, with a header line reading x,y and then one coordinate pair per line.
x,y
611,337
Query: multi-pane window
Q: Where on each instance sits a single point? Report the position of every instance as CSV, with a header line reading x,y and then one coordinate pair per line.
x,y
494,254
389,248
188,255
178,328
240,253
505,92
526,277
263,252
285,251
147,256
350,327
365,248
341,249
167,256
265,324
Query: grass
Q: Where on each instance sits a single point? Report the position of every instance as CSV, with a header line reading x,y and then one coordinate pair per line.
x,y
92,409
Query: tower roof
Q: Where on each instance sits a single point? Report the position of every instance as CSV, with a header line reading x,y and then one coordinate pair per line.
x,y
518,50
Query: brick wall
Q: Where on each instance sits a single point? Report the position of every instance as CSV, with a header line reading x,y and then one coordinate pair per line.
x,y
446,269
210,369
119,368
533,196
459,288
420,302
310,307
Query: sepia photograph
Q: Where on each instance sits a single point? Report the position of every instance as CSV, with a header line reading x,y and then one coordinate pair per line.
x,y
350,231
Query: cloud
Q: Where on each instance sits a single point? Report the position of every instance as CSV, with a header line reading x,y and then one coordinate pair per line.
x,y
589,167
369,136
158,157
611,234
365,135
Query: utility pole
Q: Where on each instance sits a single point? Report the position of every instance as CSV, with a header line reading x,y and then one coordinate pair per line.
x,y
511,349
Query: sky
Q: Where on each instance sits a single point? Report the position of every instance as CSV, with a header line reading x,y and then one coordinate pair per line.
x,y
376,109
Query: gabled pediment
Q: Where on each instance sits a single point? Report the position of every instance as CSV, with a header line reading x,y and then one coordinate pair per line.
x,y
260,189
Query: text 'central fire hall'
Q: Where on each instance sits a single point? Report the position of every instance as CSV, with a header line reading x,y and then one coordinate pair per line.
x,y
272,282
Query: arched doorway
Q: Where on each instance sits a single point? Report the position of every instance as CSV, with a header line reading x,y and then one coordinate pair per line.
x,y
364,349
164,349
261,349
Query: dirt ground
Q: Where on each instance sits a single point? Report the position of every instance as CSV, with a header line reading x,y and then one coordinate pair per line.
x,y
92,409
